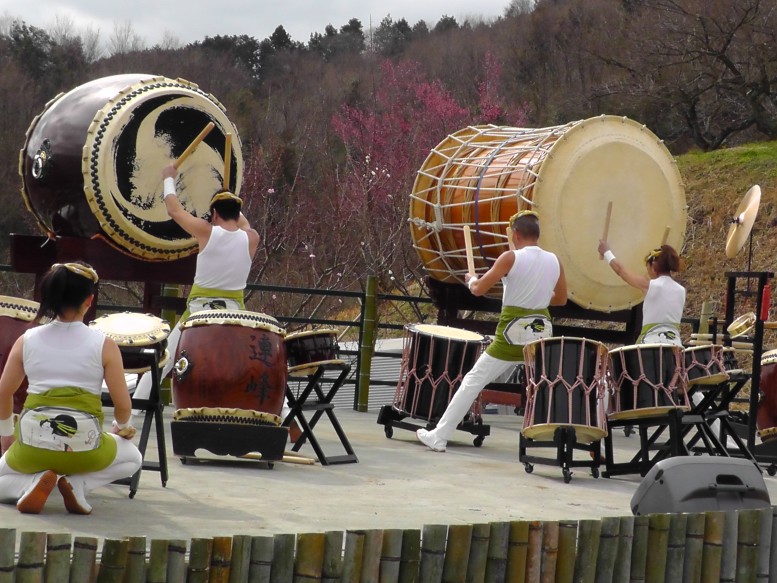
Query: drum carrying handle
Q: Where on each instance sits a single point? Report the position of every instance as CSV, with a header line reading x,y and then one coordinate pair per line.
x,y
182,367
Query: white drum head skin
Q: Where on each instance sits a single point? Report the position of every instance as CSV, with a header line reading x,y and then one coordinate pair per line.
x,y
18,308
132,328
446,332
233,318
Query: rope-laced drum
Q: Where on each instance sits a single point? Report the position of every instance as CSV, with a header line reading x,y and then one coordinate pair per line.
x,y
434,362
16,317
132,332
704,365
92,162
480,176
230,360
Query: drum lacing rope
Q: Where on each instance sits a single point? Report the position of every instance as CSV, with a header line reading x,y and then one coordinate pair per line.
x,y
659,385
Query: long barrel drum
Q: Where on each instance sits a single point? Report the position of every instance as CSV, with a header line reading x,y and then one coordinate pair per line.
x,y
480,176
92,162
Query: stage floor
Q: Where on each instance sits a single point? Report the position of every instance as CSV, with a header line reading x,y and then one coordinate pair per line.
x,y
397,483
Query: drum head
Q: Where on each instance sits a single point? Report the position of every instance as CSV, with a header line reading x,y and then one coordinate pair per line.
x,y
306,333
132,329
123,130
446,332
602,160
234,318
769,357
18,308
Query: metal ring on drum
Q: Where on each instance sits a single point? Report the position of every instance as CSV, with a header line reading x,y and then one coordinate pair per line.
x,y
704,365
16,317
434,361
132,331
92,162
230,359
564,388
307,350
480,176
648,380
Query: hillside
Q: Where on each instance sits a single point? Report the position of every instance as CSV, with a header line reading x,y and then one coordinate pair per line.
x,y
715,183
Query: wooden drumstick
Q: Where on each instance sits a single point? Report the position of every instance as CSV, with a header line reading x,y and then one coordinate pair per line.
x,y
606,224
195,142
227,159
666,235
510,239
468,247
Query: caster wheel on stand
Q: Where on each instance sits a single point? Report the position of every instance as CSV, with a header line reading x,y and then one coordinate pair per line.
x,y
389,431
479,441
529,468
567,475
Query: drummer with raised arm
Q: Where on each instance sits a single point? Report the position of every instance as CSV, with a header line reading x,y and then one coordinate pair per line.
x,y
532,279
664,301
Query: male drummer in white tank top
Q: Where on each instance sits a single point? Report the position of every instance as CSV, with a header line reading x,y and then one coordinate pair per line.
x,y
532,279
227,245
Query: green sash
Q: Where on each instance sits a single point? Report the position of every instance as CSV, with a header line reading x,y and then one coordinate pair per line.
x,y
206,292
500,348
31,460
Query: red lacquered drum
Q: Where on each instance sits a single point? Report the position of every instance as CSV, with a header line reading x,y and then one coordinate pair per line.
x,y
565,388
704,365
16,316
767,407
92,162
134,332
230,359
434,362
306,350
649,380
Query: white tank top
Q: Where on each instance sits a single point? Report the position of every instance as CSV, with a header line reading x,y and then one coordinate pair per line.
x,y
63,354
664,302
225,261
530,282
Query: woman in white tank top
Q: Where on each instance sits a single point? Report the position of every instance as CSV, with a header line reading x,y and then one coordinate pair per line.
x,y
58,439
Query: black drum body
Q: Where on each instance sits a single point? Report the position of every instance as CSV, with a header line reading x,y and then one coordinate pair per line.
x,y
92,160
435,360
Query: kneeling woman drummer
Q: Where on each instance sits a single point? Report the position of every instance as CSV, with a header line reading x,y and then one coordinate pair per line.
x,y
58,440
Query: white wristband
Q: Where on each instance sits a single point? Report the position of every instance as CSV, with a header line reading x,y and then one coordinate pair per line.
x,y
6,427
169,187
471,282
118,425
609,256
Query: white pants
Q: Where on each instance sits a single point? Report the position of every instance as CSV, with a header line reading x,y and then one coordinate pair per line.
x,y
127,461
486,369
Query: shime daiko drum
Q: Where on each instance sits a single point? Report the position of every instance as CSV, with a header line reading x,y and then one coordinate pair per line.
x,y
16,317
480,176
92,162
230,359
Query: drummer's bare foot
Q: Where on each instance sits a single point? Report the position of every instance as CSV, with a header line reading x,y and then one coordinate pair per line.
x,y
295,432
34,499
429,441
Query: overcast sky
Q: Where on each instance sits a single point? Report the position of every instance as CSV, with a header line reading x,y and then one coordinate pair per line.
x,y
192,20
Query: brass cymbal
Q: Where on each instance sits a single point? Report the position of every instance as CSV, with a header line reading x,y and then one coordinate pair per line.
x,y
742,222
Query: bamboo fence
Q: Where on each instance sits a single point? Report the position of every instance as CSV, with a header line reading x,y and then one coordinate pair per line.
x,y
734,546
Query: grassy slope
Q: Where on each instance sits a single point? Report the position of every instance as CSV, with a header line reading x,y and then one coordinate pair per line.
x,y
714,186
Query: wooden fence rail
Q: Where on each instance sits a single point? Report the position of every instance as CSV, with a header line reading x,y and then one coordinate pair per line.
x,y
735,546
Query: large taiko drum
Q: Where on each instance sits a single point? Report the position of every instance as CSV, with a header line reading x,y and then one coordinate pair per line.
x,y
92,162
480,176
230,359
16,317
565,388
434,362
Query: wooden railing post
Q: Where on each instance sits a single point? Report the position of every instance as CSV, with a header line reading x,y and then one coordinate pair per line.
x,y
367,342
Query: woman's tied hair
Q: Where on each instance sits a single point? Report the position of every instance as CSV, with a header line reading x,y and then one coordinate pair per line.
x,y
520,214
79,269
664,259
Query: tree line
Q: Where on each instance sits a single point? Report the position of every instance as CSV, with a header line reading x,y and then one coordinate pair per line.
x,y
334,128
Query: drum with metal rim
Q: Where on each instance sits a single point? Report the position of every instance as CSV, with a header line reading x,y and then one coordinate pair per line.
x,y
230,359
648,380
92,162
564,388
480,176
16,317
308,349
132,332
434,362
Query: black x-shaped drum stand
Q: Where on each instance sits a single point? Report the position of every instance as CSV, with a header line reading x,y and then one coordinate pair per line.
x,y
322,404
152,415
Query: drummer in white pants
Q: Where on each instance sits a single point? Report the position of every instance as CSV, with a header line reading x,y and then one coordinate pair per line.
x,y
59,438
532,279
227,245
